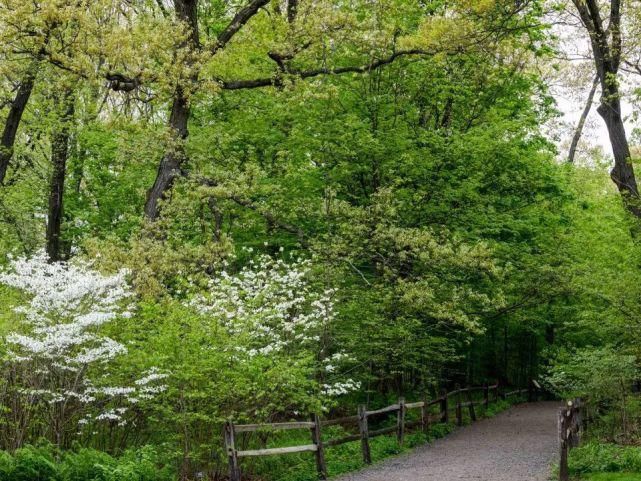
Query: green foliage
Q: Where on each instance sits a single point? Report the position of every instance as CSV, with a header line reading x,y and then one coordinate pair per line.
x,y
34,464
144,464
86,464
45,463
613,477
595,457
596,375
424,195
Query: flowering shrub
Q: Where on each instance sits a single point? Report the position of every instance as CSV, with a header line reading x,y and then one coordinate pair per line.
x,y
60,359
274,311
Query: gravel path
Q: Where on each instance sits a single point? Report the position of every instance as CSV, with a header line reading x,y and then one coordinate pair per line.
x,y
519,444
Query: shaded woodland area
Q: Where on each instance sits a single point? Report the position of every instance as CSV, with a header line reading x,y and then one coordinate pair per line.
x,y
262,209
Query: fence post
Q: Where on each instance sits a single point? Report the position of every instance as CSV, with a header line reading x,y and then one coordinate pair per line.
x,y
363,428
459,410
564,474
486,395
317,439
230,445
400,421
579,419
530,391
425,415
445,410
574,423
471,406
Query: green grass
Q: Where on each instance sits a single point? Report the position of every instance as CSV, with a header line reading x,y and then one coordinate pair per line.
x,y
596,461
595,457
612,477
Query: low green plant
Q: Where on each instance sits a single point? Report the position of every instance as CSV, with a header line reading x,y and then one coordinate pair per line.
x,y
596,457
6,465
612,477
34,464
87,465
45,463
602,377
141,465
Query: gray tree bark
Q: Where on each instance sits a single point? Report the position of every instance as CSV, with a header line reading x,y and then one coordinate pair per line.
x,y
606,50
170,165
584,115
60,142
12,122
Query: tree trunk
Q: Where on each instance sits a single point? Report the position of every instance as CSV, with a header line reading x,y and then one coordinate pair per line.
x,y
59,154
174,156
292,10
622,173
505,352
12,123
584,115
606,50
186,11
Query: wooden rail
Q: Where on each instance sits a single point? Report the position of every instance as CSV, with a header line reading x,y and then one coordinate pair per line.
x,y
570,424
463,397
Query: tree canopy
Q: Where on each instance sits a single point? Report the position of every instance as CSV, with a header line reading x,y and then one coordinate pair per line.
x,y
262,209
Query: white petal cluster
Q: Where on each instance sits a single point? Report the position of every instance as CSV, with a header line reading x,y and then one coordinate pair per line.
x,y
340,388
68,304
66,288
270,303
273,309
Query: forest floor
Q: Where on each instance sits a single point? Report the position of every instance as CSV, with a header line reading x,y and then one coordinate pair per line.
x,y
519,444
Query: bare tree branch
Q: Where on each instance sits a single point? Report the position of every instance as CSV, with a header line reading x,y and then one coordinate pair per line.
x,y
271,218
292,10
240,19
162,8
584,115
303,74
595,16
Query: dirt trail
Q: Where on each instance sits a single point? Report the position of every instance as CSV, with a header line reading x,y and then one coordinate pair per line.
x,y
519,444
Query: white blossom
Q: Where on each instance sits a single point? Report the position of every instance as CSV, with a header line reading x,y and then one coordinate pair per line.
x,y
274,308
69,304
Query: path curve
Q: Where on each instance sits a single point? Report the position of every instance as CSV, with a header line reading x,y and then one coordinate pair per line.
x,y
519,444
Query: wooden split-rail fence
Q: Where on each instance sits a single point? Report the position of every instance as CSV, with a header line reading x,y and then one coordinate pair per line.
x,y
570,424
464,400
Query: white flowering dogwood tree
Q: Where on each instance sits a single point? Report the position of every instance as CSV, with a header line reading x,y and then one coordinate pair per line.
x,y
273,311
57,359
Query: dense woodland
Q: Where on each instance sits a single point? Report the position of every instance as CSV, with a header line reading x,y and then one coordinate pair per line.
x,y
262,209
